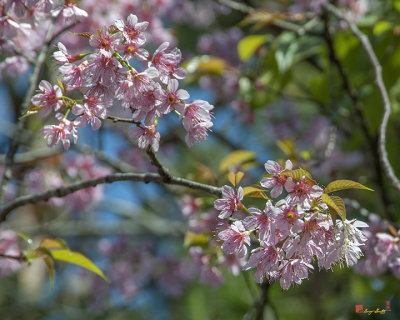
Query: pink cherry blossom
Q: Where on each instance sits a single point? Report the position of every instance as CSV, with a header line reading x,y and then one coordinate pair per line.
x,y
132,29
301,193
105,41
197,121
264,221
172,98
266,261
277,181
62,56
102,67
293,271
166,62
91,111
72,75
9,246
62,132
131,49
289,221
69,12
47,98
235,238
230,202
14,66
146,137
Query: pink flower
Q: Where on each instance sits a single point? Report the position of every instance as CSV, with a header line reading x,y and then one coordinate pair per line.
x,y
230,202
14,66
385,244
132,30
172,98
146,137
293,271
301,193
69,12
91,111
131,49
263,221
266,260
102,68
277,181
62,132
47,98
63,56
196,121
190,205
166,62
72,75
105,41
235,238
289,221
9,246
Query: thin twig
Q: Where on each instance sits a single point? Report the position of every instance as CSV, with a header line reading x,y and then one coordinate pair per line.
x,y
371,141
18,258
118,119
300,30
366,44
143,177
163,172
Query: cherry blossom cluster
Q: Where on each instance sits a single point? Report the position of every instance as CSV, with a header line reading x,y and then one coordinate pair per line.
x,y
78,168
23,28
106,79
289,233
381,250
208,259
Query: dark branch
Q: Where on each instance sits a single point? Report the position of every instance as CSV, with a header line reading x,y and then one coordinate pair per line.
x,y
383,155
143,177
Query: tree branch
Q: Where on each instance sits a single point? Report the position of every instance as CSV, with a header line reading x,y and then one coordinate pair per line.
x,y
383,155
162,171
371,141
18,258
143,177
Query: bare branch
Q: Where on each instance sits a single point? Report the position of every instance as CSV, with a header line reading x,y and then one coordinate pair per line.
x,y
163,172
118,119
371,141
143,177
366,44
18,258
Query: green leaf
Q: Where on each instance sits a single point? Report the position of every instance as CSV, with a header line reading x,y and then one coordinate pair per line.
x,y
49,244
78,259
255,192
235,178
344,184
297,174
381,27
248,45
195,239
205,65
335,204
50,266
288,147
236,158
396,5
